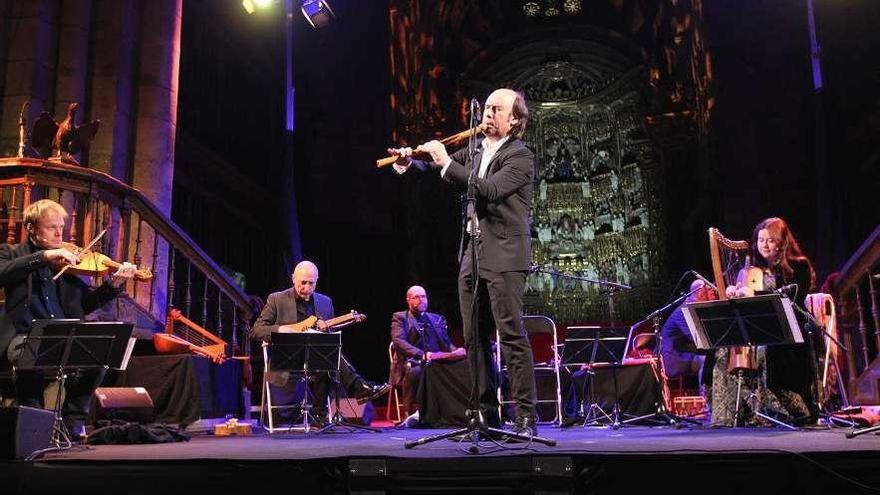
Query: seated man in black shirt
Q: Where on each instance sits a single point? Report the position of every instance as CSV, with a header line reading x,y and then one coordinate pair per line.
x,y
418,337
27,272
294,305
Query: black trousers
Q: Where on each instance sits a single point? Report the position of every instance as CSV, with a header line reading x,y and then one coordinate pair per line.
x,y
505,299
411,382
284,391
78,388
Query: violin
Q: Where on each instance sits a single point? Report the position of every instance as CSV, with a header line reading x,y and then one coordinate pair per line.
x,y
749,280
95,264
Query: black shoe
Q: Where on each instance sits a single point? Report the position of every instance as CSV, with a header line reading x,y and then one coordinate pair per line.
x,y
76,430
368,391
572,421
525,425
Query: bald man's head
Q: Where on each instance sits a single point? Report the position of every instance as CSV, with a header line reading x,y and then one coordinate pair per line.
x,y
417,299
305,279
701,292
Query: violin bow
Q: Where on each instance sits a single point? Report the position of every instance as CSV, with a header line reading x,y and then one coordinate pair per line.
x,y
89,246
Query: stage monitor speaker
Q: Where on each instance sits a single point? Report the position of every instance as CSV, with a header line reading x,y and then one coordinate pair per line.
x,y
24,430
353,412
132,404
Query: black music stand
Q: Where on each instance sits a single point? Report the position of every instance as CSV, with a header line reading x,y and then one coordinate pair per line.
x,y
604,348
306,355
750,321
594,347
71,345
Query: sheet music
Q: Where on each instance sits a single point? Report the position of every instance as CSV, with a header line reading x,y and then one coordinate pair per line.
x,y
697,337
796,333
128,349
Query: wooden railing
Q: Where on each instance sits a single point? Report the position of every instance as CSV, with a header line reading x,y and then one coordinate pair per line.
x,y
856,293
137,231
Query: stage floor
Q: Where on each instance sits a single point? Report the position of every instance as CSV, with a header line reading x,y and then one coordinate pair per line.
x,y
574,440
592,460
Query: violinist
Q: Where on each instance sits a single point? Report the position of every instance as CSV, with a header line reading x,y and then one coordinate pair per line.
x,y
26,274
783,377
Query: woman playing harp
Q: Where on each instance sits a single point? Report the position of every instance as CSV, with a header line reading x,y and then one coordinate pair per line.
x,y
782,378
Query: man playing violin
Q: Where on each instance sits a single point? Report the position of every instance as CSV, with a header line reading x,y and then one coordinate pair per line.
x,y
504,171
297,304
26,274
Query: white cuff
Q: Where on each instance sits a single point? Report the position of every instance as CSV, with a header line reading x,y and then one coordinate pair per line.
x,y
445,167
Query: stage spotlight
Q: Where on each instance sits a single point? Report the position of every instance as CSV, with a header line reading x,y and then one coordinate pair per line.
x,y
317,12
251,6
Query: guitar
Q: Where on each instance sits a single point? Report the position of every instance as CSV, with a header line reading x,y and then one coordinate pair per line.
x,y
313,323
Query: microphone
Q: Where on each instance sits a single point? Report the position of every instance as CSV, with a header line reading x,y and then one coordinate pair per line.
x,y
704,279
476,110
788,290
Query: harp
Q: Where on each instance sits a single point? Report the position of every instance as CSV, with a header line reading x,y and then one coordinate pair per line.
x,y
730,259
182,335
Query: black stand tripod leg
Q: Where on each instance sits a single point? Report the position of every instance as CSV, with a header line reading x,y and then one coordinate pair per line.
x,y
60,436
861,431
477,430
338,419
594,413
434,438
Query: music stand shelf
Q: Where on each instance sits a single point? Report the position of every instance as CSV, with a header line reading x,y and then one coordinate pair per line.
x,y
750,321
593,348
761,320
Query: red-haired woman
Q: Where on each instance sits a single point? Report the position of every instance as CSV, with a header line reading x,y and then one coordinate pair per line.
x,y
784,377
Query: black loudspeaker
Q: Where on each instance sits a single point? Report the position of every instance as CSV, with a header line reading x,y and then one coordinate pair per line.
x,y
24,430
132,404
353,412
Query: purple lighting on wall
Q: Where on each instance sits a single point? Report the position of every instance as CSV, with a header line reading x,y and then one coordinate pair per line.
x,y
289,90
815,54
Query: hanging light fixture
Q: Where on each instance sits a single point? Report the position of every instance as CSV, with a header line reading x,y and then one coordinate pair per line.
x,y
531,9
571,6
317,12
551,8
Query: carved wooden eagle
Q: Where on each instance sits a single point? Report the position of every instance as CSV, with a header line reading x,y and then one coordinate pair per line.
x,y
62,139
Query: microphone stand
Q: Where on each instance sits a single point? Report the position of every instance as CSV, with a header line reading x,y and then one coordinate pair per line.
x,y
661,414
477,426
814,364
611,287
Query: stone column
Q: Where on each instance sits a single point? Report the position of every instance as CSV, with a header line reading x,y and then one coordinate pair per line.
x,y
73,61
156,123
113,85
30,66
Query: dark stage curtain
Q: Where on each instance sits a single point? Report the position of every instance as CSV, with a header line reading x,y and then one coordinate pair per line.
x,y
637,390
185,388
443,394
